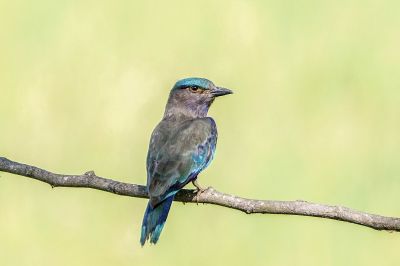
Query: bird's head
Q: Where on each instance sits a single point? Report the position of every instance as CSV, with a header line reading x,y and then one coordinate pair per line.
x,y
192,97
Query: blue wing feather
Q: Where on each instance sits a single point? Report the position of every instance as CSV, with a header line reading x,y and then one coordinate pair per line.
x,y
201,156
177,154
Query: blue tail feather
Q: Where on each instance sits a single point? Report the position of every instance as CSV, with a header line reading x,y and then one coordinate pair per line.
x,y
154,220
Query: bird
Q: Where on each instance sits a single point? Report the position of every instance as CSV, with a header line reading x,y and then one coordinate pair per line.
x,y
181,146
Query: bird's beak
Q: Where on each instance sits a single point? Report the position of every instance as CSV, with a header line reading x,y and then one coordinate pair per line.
x,y
218,91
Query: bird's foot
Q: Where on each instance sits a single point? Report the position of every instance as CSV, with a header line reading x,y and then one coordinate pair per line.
x,y
197,185
198,193
199,190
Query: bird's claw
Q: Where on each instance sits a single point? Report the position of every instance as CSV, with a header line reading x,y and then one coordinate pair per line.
x,y
198,190
198,193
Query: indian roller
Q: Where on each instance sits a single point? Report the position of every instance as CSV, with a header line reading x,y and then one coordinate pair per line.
x,y
181,146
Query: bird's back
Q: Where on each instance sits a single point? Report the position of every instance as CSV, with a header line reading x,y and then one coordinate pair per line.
x,y
178,151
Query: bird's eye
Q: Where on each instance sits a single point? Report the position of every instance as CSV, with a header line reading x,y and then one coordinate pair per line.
x,y
194,89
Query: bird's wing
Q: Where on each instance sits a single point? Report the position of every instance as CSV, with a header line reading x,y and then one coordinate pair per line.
x,y
176,157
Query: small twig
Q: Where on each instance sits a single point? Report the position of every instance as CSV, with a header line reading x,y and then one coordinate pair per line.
x,y
210,196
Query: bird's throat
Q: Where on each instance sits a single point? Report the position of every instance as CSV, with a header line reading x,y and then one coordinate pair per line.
x,y
186,110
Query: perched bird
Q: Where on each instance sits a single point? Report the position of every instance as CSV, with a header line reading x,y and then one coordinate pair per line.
x,y
181,146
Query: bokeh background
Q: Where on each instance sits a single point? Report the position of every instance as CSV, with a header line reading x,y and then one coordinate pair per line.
x,y
315,116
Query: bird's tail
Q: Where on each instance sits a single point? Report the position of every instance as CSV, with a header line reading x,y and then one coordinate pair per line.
x,y
154,219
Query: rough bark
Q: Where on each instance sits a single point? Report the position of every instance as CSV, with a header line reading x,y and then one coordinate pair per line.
x,y
209,196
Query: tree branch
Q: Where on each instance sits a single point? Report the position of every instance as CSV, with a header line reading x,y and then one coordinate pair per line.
x,y
209,196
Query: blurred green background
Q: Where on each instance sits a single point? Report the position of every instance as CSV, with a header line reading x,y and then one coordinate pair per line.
x,y
315,116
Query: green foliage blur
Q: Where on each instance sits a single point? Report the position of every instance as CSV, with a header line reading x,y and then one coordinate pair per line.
x,y
315,116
